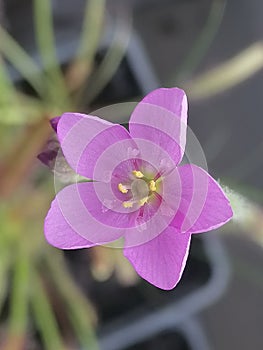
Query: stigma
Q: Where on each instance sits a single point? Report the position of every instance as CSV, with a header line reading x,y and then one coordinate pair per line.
x,y
141,190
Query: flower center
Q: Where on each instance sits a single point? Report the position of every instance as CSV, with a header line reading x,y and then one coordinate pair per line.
x,y
140,187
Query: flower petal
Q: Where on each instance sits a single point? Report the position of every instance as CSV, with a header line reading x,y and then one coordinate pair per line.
x,y
161,117
77,211
172,99
203,205
136,151
59,233
162,260
84,138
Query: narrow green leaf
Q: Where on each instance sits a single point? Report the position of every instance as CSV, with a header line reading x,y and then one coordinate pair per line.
x,y
202,43
24,64
109,65
47,48
82,64
6,87
79,310
19,295
92,25
8,105
16,108
4,270
44,316
227,74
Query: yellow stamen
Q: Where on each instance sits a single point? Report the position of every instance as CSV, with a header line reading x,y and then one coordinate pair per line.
x,y
152,185
122,188
127,204
138,174
143,201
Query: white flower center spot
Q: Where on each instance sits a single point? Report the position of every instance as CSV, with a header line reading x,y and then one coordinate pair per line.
x,y
139,189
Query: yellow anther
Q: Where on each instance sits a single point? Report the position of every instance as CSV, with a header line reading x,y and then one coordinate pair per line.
x,y
127,204
122,188
138,174
152,185
143,201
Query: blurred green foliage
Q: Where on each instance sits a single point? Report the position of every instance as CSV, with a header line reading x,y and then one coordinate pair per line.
x,y
32,274
28,266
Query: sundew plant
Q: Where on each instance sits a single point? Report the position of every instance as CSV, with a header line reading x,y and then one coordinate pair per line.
x,y
119,187
138,192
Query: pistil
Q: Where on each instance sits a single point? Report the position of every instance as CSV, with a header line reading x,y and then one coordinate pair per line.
x,y
141,189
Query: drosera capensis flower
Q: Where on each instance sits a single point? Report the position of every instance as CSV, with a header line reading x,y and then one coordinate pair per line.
x,y
139,194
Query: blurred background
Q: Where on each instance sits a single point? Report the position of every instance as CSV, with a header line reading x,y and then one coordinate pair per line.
x,y
63,55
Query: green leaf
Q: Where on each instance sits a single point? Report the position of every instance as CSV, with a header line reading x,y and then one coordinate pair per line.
x,y
91,30
57,91
19,295
21,61
82,64
228,74
4,270
45,317
202,43
79,309
109,65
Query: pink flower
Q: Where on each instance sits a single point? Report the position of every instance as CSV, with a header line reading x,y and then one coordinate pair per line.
x,y
139,194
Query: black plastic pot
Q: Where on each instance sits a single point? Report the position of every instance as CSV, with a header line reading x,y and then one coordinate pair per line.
x,y
166,340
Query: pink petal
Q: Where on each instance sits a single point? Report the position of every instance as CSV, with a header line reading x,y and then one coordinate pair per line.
x,y
106,208
75,212
84,138
204,205
139,150
161,117
59,233
101,203
172,99
162,260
